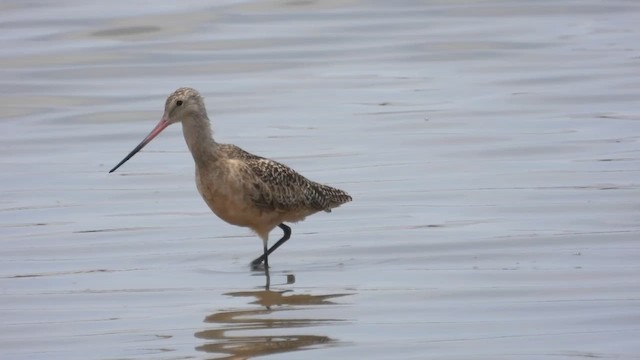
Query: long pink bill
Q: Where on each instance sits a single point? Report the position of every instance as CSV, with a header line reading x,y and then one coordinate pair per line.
x,y
156,130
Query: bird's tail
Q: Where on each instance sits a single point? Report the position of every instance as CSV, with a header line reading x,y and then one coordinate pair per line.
x,y
332,197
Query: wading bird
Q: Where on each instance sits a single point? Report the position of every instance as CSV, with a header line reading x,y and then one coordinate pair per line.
x,y
241,188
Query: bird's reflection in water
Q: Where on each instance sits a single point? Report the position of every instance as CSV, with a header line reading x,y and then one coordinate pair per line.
x,y
233,336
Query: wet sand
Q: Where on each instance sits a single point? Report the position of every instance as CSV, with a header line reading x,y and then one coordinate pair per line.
x,y
492,150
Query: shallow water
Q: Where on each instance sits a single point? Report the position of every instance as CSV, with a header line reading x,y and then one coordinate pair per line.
x,y
492,150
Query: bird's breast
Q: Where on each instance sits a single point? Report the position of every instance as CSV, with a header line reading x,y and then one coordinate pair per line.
x,y
225,194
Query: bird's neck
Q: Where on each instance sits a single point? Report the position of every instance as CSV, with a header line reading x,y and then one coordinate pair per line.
x,y
197,134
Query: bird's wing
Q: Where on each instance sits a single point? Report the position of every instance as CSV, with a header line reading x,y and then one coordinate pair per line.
x,y
279,187
276,186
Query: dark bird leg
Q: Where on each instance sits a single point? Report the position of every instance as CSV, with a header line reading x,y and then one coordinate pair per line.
x,y
263,257
266,268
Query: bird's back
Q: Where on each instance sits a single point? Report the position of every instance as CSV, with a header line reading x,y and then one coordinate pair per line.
x,y
274,186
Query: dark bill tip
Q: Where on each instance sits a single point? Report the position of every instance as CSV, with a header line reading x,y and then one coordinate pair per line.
x,y
133,152
161,126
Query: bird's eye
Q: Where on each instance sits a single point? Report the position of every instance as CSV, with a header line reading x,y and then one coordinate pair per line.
x,y
179,103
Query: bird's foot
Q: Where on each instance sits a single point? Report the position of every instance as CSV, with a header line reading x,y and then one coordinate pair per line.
x,y
257,264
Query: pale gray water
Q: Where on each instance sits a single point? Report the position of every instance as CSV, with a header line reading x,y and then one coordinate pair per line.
x,y
492,149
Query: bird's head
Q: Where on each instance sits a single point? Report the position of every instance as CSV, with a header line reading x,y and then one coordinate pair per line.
x,y
180,105
183,104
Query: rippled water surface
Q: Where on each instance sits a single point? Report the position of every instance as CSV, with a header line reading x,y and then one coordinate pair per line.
x,y
492,149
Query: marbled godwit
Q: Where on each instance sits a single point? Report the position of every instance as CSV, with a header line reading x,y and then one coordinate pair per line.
x,y
241,188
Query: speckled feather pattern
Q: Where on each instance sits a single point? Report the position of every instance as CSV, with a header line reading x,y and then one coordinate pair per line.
x,y
277,187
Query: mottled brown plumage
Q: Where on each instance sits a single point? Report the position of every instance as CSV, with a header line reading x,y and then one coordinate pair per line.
x,y
277,187
241,188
